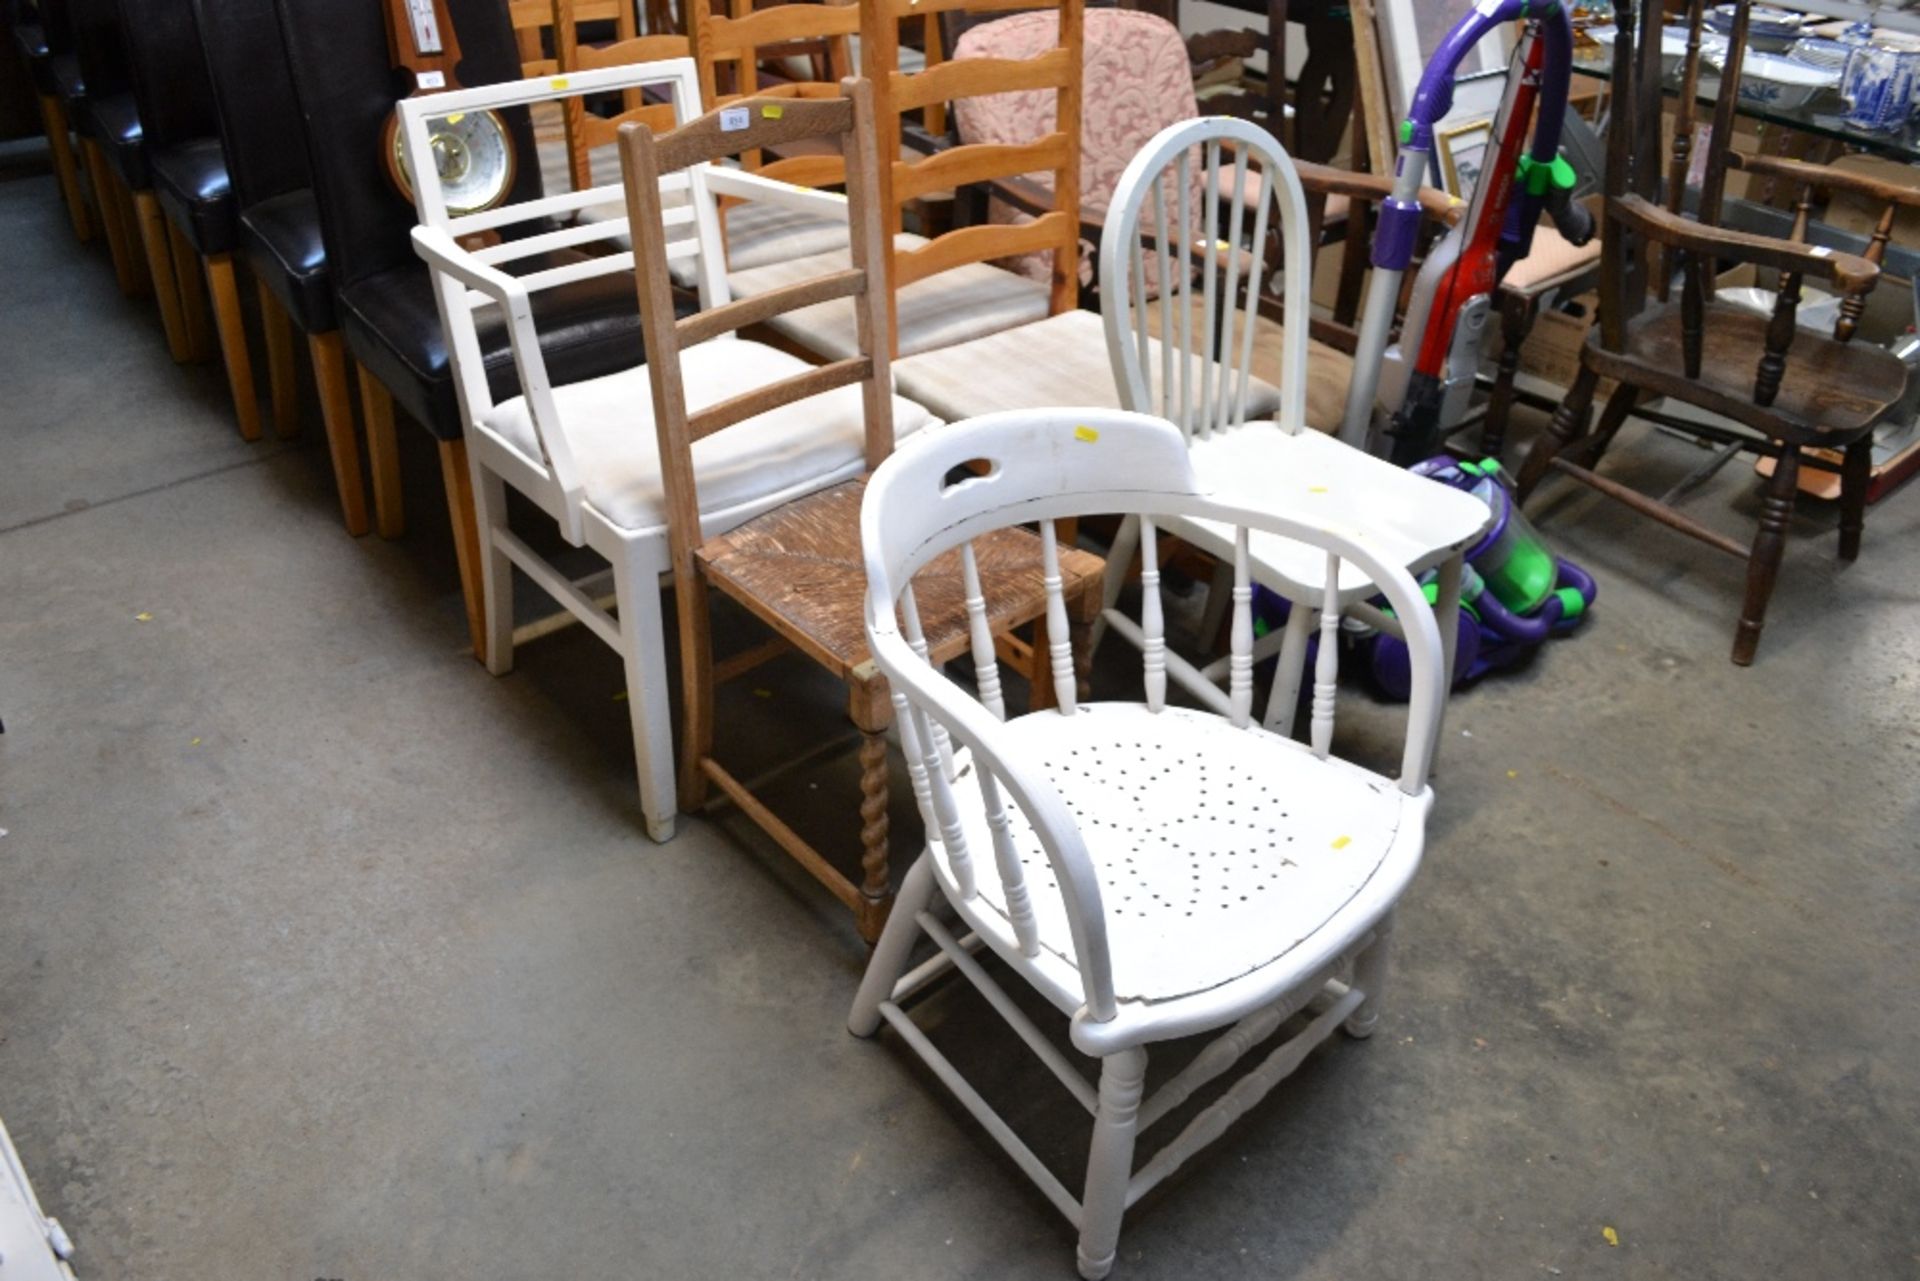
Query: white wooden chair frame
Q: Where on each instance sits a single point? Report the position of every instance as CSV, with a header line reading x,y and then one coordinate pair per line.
x,y
1042,466
1206,414
466,280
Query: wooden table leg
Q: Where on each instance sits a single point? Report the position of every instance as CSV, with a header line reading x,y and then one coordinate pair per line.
x,y
336,414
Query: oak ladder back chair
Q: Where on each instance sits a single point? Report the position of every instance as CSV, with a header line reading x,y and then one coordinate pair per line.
x,y
536,28
1152,871
797,567
588,131
1788,392
1157,347
732,50
584,452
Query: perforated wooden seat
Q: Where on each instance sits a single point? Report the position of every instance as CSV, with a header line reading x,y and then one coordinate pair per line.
x,y
1217,850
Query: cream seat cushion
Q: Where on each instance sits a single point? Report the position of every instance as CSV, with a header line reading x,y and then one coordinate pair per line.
x,y
1060,362
759,234
747,469
951,307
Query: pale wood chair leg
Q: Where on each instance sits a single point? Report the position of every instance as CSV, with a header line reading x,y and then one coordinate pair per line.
x,y
643,648
110,220
870,705
466,535
1769,545
1370,976
231,323
695,620
53,118
283,380
376,406
152,222
1123,1078
193,295
336,414
136,247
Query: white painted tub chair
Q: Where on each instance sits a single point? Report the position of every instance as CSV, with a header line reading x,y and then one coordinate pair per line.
x,y
587,453
1153,871
1413,522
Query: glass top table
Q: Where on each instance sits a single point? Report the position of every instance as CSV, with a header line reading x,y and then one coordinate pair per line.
x,y
1821,116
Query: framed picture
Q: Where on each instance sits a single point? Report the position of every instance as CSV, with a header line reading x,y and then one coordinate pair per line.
x,y
1461,152
1410,33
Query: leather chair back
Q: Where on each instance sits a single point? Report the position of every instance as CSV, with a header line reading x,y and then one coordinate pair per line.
x,y
344,80
258,115
95,25
169,74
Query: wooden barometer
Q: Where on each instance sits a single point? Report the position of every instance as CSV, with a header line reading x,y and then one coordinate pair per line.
x,y
472,150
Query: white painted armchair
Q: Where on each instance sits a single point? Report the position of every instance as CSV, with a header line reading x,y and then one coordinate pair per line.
x,y
1153,871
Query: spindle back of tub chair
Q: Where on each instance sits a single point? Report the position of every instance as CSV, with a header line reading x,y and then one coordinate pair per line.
x,y
1166,226
944,489
468,281
587,130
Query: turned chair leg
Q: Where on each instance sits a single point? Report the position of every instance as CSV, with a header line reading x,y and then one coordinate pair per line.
x,y
694,615
376,407
336,415
1123,1079
1370,976
1516,319
1855,474
53,118
458,479
194,307
1763,564
158,245
283,383
1564,430
231,324
870,705
1612,418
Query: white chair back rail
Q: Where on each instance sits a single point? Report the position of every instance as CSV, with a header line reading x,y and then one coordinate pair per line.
x,y
1168,209
1043,466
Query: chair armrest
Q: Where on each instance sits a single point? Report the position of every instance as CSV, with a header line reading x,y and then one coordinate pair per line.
x,y
1848,273
1328,181
739,183
443,253
1813,175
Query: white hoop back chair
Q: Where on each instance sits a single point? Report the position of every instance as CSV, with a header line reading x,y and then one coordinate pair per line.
x,y
1153,871
1178,195
586,453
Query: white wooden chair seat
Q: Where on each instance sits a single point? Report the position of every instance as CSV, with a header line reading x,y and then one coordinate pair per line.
x,y
1418,522
1219,851
1053,363
952,307
789,451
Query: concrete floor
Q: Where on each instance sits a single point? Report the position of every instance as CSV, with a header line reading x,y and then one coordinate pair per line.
x,y
325,954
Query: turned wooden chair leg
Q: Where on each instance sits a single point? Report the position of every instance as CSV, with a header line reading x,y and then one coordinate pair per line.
x,y
111,221
194,306
336,415
1562,432
1123,1079
694,618
1612,418
466,537
1855,474
166,287
53,118
376,406
1763,565
283,380
870,704
1516,319
231,324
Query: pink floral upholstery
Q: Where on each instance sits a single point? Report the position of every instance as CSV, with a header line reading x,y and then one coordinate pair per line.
x,y
1138,81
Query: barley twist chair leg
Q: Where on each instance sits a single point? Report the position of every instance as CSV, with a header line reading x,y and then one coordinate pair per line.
x,y
871,707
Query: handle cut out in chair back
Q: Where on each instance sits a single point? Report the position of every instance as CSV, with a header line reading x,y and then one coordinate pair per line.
x,y
1167,225
947,488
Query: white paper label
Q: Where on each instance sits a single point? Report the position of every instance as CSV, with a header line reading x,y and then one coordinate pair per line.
x,y
734,118
432,80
